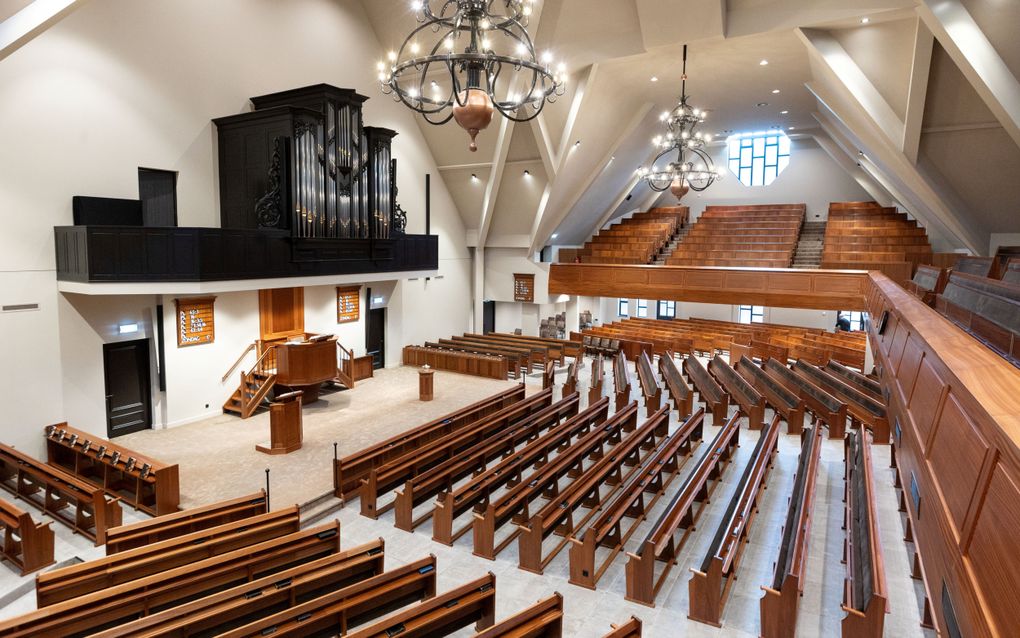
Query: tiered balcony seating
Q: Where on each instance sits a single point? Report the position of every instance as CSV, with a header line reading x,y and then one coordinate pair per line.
x,y
742,236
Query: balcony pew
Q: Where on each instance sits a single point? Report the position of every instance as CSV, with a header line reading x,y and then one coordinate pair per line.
x,y
77,580
442,615
659,545
475,494
349,471
865,595
743,393
856,380
652,477
976,266
337,611
621,380
649,385
598,379
715,399
986,308
513,504
861,408
557,515
544,619
250,602
710,585
782,400
679,392
629,629
109,607
1011,274
388,476
161,528
473,460
928,282
823,405
782,597
81,506
27,544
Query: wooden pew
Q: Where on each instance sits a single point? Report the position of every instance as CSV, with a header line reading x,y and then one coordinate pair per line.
x,y
479,365
659,545
549,374
442,477
125,537
928,282
349,471
978,266
856,380
782,596
716,401
526,356
337,611
27,544
861,408
568,348
81,506
986,308
743,393
509,472
115,605
544,619
514,363
865,594
513,504
77,580
557,515
782,400
621,380
822,404
551,349
139,481
710,585
388,476
443,615
629,629
679,392
598,378
652,477
247,603
649,386
573,377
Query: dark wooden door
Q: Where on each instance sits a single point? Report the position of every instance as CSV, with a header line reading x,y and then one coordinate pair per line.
x,y
158,192
488,317
128,393
375,337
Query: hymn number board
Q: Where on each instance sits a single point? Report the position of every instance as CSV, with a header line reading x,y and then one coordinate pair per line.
x,y
524,287
195,324
348,304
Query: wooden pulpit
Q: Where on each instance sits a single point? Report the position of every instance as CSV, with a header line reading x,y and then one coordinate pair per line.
x,y
285,431
306,365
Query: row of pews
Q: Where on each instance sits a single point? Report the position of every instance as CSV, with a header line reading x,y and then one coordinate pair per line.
x,y
260,574
974,298
709,336
635,240
494,355
866,236
742,236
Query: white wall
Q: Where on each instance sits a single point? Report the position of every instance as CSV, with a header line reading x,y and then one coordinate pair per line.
x,y
812,178
120,84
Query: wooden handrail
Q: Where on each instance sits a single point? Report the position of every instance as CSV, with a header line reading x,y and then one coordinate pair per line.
x,y
258,363
251,346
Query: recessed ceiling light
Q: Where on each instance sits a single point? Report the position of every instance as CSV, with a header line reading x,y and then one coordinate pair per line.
x,y
792,128
783,112
865,20
655,78
762,104
775,91
527,173
577,143
474,177
763,63
555,235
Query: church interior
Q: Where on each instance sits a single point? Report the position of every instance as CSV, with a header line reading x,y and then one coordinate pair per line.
x,y
510,318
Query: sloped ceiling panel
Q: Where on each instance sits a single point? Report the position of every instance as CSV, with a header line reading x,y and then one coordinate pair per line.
x,y
884,52
998,19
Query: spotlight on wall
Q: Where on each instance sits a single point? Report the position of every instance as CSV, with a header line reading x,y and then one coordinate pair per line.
x,y
527,173
127,328
474,178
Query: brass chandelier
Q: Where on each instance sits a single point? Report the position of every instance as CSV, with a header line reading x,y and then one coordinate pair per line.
x,y
469,58
692,169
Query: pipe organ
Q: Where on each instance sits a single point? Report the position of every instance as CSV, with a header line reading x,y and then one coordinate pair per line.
x,y
303,161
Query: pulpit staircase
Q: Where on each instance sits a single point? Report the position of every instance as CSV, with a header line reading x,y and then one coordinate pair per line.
x,y
252,394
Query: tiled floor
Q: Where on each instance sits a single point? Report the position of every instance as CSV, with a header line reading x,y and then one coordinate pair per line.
x,y
218,462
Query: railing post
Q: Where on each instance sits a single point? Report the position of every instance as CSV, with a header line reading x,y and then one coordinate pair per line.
x,y
242,391
267,490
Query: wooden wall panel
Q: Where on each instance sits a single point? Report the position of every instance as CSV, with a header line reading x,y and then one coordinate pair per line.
x,y
956,455
994,559
909,366
785,288
925,404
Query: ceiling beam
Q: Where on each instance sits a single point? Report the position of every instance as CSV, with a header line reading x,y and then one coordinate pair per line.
x,y
840,154
506,133
22,27
917,91
977,59
543,139
586,80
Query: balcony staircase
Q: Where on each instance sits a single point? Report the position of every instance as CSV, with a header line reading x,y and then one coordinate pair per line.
x,y
809,245
674,242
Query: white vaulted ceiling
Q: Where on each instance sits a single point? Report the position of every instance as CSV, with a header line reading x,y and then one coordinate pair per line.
x,y
816,51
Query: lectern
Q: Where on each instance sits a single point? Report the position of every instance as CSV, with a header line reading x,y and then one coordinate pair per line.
x,y
285,432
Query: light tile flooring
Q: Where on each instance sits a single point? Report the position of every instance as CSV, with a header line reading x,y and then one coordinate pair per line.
x,y
218,461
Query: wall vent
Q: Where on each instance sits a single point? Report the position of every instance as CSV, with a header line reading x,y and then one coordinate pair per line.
x,y
20,307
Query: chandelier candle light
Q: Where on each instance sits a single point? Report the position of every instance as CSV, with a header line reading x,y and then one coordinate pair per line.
x,y
467,59
693,168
